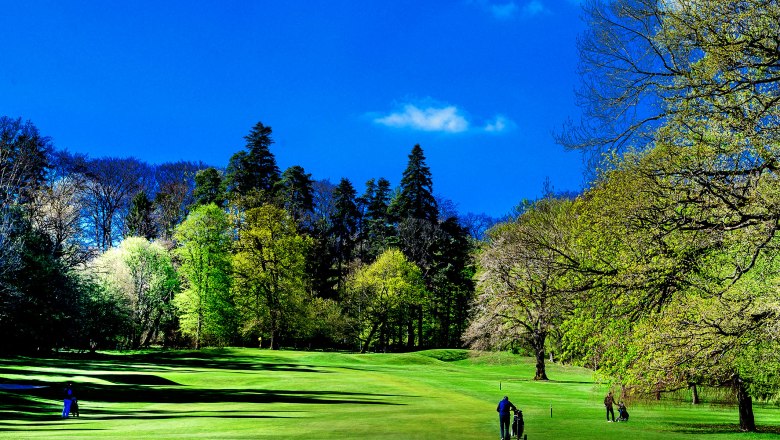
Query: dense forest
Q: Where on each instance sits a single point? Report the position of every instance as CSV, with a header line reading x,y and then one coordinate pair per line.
x,y
114,252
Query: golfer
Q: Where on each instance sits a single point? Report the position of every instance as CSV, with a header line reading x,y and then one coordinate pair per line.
x,y
67,401
505,407
608,402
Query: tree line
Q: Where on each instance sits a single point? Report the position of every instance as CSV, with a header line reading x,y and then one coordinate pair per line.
x,y
664,274
114,252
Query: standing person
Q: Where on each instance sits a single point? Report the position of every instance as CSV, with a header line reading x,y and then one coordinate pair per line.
x,y
608,401
504,408
67,400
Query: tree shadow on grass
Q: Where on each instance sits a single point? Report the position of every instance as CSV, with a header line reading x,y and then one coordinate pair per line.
x,y
129,381
57,423
182,361
43,404
720,428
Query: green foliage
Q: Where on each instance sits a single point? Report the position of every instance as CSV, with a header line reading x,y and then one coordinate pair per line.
x,y
378,292
269,267
205,306
343,230
139,274
524,281
139,222
295,192
209,188
415,199
251,177
377,229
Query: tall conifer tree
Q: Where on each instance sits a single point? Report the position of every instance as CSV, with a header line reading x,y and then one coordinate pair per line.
x,y
295,192
416,196
209,188
254,172
344,226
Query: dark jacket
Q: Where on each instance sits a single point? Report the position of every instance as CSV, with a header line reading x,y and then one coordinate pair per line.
x,y
505,406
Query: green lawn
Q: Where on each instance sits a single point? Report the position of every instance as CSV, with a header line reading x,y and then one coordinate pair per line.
x,y
261,394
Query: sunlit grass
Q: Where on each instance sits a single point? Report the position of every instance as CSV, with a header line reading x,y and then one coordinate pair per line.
x,y
246,393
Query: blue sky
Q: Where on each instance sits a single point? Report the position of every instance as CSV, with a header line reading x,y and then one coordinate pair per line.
x,y
348,87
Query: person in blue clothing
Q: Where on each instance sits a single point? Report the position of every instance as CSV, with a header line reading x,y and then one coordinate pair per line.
x,y
67,400
505,408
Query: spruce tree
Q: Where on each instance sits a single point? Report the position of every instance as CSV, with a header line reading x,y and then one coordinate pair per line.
x,y
253,173
344,226
415,199
295,192
377,224
209,188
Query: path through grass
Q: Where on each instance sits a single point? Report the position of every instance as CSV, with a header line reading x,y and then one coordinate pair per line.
x,y
245,393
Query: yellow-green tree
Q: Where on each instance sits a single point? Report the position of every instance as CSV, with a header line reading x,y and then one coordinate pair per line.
x,y
270,274
205,306
695,85
377,292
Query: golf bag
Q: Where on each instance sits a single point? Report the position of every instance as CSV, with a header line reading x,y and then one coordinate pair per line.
x,y
518,424
622,413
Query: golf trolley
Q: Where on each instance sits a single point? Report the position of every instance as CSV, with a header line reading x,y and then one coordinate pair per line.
x,y
518,425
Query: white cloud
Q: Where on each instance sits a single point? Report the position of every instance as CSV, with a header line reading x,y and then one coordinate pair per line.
x,y
443,119
432,116
499,124
506,10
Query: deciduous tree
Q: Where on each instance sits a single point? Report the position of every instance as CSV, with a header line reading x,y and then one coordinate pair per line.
x,y
379,290
523,286
270,278
140,273
205,306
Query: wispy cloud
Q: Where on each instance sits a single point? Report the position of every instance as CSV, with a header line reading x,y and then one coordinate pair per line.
x,y
499,124
444,119
505,10
534,7
439,118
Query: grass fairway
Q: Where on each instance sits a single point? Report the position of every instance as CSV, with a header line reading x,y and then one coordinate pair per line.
x,y
260,394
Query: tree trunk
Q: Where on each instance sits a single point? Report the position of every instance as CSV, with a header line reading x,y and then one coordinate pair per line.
x,y
369,338
538,347
695,393
383,338
420,343
746,420
197,331
410,330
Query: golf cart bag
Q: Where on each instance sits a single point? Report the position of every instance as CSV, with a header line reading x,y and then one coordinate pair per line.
x,y
518,424
622,413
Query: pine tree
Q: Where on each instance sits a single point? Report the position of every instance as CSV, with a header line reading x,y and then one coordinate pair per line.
x,y
377,228
415,199
253,174
295,192
208,188
344,226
